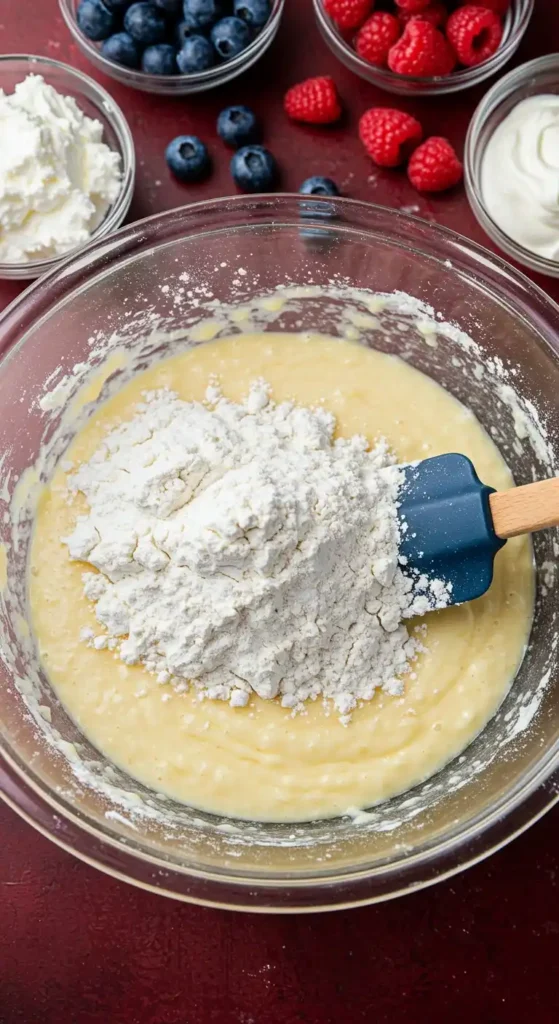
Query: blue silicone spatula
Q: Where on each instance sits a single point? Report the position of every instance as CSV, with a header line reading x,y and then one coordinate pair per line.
x,y
453,525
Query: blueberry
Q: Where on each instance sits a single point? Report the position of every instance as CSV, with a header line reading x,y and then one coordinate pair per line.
x,y
173,7
160,60
95,20
197,54
118,5
254,169
122,49
254,12
183,30
145,23
237,126
318,186
204,12
230,37
188,158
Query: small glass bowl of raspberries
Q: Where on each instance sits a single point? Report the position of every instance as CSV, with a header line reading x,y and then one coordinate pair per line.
x,y
423,47
173,47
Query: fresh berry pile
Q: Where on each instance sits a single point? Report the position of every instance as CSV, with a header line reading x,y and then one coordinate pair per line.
x,y
172,37
253,168
421,38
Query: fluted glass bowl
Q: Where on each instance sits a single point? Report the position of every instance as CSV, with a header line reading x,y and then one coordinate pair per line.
x,y
176,271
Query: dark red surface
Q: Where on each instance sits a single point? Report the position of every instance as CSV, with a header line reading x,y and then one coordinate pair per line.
x,y
79,948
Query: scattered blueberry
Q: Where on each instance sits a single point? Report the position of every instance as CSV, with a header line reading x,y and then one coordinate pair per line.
x,y
255,12
254,169
95,20
197,54
145,23
237,126
183,30
122,49
230,37
203,12
319,186
160,59
188,158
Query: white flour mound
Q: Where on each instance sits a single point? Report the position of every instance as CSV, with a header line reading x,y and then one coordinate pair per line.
x,y
241,548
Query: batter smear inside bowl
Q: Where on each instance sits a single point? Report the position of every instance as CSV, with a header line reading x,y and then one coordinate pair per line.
x,y
216,592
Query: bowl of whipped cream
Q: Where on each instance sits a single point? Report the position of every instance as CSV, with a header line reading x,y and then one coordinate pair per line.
x,y
512,164
67,166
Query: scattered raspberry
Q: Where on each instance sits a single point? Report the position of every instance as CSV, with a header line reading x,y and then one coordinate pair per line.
x,y
474,33
376,36
434,166
412,6
389,136
499,7
315,101
436,14
348,13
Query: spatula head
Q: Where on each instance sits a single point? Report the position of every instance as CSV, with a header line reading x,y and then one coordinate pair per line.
x,y
447,529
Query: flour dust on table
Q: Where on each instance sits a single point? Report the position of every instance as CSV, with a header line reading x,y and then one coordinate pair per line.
x,y
216,588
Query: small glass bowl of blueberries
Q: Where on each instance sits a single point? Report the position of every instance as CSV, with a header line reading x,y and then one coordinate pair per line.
x,y
173,47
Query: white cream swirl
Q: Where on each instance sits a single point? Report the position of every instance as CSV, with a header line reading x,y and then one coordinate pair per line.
x,y
520,175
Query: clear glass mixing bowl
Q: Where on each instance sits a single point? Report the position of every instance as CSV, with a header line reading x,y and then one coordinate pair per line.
x,y
169,272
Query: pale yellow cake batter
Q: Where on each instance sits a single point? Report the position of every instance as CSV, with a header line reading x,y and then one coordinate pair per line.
x,y
259,762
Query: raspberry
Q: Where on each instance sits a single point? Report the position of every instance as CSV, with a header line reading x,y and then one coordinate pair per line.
x,y
499,7
474,34
315,101
412,6
422,51
436,14
376,36
389,136
348,13
434,166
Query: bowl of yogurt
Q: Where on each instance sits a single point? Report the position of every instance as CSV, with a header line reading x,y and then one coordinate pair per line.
x,y
215,681
512,164
67,167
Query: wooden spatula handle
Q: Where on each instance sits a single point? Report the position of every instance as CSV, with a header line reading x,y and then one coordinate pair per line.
x,y
525,509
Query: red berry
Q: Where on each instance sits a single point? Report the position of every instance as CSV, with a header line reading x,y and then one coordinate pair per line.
x,y
389,136
474,34
499,7
436,14
376,36
315,101
422,51
348,13
434,166
412,6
